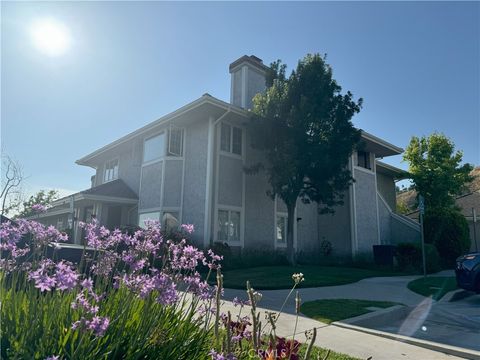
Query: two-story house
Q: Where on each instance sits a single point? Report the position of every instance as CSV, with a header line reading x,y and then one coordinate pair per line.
x,y
188,167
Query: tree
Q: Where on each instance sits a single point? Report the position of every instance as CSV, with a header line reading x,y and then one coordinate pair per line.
x,y
435,169
11,184
302,125
43,197
447,229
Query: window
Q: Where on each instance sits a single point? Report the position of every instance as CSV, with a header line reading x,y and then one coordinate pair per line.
x,y
231,139
111,171
363,159
170,221
175,142
281,229
237,141
154,148
60,225
148,216
228,226
225,139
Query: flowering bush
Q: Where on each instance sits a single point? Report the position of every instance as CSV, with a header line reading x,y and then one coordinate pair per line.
x,y
139,296
136,297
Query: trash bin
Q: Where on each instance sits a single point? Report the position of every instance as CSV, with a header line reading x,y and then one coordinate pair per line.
x,y
383,254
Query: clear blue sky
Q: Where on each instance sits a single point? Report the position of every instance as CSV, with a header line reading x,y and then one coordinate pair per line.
x,y
415,64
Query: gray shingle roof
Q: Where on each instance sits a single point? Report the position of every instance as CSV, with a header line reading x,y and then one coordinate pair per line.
x,y
115,188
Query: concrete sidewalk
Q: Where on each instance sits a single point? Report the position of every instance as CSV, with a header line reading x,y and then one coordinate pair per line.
x,y
377,289
348,341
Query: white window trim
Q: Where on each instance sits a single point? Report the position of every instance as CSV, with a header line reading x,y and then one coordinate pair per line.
x,y
370,172
105,170
152,161
230,153
166,156
182,142
145,211
276,244
361,168
284,215
230,209
162,210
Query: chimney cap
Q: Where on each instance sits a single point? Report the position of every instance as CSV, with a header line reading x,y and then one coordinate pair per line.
x,y
252,60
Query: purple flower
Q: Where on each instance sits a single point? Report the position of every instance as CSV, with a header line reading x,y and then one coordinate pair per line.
x,y
214,260
221,356
87,284
237,302
39,208
98,325
65,277
43,280
189,228
53,357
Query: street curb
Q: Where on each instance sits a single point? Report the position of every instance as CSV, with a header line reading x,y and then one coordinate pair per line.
x,y
448,296
385,315
447,349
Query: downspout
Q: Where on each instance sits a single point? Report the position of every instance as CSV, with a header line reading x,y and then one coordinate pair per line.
x,y
209,180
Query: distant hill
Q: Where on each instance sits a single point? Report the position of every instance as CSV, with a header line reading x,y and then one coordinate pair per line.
x,y
409,198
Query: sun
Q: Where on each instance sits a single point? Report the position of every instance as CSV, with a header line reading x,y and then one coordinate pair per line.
x,y
50,36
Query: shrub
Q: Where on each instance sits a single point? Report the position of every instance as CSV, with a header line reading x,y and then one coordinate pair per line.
x,y
326,248
447,229
247,258
409,257
432,258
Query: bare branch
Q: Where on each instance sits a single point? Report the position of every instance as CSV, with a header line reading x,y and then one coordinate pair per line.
x,y
11,180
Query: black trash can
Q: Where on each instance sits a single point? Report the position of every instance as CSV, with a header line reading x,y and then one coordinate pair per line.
x,y
383,254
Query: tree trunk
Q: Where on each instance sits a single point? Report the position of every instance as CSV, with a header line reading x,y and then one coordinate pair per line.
x,y
290,225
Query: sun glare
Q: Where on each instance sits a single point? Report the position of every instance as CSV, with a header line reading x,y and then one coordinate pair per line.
x,y
50,37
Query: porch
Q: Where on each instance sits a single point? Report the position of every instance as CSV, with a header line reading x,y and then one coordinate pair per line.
x,y
113,204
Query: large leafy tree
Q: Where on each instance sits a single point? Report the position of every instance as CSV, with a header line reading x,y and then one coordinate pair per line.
x,y
436,170
43,197
302,124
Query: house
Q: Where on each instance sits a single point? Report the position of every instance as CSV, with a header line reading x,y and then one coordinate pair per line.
x,y
187,167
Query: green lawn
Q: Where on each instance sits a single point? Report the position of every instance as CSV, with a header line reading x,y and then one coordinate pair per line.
x,y
331,310
280,277
435,286
319,353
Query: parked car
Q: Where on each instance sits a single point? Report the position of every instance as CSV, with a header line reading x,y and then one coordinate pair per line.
x,y
468,272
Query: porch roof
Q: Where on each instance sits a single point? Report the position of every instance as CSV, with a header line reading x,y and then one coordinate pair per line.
x,y
113,191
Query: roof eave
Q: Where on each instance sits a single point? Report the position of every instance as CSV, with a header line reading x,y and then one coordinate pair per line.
x,y
204,99
394,149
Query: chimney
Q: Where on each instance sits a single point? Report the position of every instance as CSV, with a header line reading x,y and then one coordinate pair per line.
x,y
248,79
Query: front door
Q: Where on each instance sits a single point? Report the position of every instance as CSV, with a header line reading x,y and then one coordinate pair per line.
x,y
114,217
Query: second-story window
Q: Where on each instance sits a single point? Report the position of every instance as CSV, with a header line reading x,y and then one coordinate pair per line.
x,y
364,159
154,148
231,139
175,142
111,170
